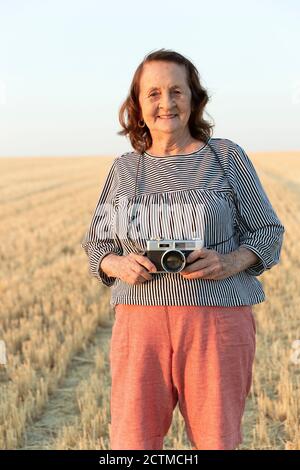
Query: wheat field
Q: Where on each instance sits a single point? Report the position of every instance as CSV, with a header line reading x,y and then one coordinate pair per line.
x,y
56,320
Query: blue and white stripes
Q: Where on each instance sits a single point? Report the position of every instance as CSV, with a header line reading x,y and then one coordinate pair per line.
x,y
179,197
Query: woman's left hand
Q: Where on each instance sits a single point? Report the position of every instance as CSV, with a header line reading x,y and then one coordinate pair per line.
x,y
209,264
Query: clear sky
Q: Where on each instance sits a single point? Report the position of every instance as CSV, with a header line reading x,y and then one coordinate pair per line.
x,y
66,67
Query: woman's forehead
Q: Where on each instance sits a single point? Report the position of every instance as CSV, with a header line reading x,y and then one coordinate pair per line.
x,y
158,73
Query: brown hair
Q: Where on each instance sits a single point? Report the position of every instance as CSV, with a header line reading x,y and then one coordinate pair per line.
x,y
140,137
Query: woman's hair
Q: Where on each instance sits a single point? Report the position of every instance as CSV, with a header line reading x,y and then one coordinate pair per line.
x,y
140,137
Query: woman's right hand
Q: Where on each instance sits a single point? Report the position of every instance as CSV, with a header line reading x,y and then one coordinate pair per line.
x,y
132,268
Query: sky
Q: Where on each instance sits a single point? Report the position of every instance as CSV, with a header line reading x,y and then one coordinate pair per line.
x,y
66,68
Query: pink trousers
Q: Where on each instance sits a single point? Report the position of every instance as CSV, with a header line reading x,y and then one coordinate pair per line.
x,y
198,356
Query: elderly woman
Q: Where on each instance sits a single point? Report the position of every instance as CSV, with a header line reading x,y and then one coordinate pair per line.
x,y
184,334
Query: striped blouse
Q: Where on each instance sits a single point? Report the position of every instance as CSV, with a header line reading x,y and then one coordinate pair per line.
x,y
220,200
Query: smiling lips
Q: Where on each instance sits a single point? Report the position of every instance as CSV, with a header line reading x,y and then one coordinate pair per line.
x,y
169,116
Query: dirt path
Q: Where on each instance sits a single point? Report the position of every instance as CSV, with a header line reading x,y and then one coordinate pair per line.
x,y
61,409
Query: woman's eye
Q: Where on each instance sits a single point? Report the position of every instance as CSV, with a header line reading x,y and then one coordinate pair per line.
x,y
155,93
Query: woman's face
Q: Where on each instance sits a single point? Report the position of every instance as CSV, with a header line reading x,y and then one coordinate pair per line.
x,y
164,91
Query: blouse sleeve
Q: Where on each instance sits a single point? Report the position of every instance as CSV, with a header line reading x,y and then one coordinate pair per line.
x,y
99,239
259,228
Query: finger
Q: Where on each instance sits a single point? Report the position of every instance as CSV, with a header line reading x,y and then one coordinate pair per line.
x,y
146,263
196,266
196,254
137,278
203,273
142,273
141,280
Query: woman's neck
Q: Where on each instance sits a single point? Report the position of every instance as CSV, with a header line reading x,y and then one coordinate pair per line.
x,y
166,148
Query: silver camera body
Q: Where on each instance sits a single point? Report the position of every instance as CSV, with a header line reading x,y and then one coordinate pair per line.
x,y
170,255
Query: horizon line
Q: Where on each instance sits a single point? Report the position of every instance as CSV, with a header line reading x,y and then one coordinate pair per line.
x,y
116,153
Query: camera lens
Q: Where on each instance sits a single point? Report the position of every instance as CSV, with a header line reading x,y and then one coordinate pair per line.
x,y
173,260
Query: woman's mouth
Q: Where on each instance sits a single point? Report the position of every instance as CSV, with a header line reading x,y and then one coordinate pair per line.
x,y
169,116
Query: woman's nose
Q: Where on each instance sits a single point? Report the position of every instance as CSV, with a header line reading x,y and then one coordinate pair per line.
x,y
166,103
